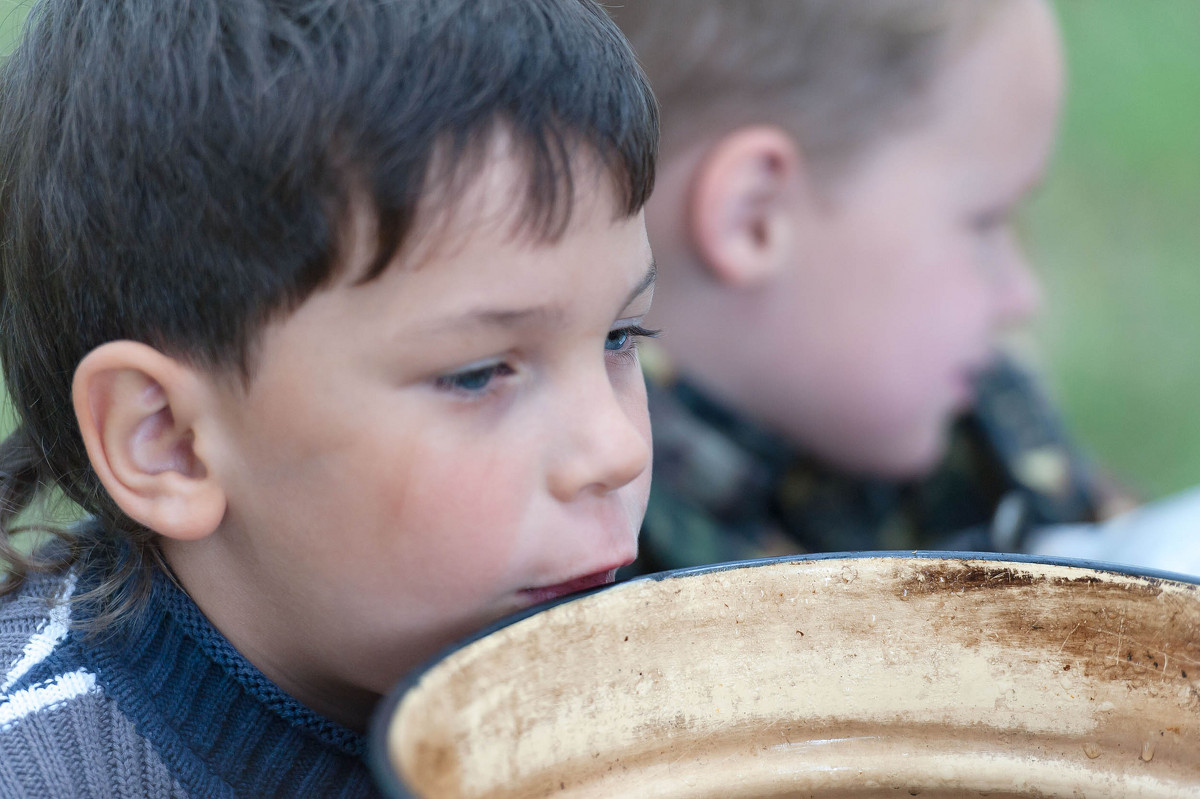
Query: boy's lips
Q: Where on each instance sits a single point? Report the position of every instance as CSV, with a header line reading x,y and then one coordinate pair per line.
x,y
964,384
962,389
546,593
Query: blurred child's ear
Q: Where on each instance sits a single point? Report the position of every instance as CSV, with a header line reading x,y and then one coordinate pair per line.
x,y
141,414
740,206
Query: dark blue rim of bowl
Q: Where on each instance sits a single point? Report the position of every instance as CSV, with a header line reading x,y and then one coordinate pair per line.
x,y
389,781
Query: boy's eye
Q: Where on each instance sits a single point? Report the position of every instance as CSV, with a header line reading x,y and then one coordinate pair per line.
x,y
473,381
623,338
617,339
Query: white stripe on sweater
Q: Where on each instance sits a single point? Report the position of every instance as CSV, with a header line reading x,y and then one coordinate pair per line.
x,y
43,642
61,689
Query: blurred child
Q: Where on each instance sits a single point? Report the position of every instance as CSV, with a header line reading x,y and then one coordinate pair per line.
x,y
833,223
325,312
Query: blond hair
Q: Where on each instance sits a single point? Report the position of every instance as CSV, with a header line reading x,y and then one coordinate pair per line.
x,y
838,73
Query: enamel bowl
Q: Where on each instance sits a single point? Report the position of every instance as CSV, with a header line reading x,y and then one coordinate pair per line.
x,y
883,674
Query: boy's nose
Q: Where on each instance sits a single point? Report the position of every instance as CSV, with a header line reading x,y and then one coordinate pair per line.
x,y
601,445
1020,291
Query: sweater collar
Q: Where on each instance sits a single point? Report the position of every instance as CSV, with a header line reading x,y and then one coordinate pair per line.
x,y
210,711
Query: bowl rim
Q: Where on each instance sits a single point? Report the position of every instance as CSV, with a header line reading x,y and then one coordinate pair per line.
x,y
388,780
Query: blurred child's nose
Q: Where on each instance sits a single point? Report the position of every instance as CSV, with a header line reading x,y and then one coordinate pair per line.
x,y
1019,293
601,442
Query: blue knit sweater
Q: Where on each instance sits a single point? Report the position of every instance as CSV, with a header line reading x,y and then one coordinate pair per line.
x,y
164,707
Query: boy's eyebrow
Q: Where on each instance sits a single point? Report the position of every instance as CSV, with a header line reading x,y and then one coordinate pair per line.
x,y
646,282
506,318
503,318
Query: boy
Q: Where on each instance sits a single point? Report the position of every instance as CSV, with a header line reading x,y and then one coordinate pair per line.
x,y
325,312
833,223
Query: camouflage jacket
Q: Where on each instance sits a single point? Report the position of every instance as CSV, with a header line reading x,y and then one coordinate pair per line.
x,y
725,489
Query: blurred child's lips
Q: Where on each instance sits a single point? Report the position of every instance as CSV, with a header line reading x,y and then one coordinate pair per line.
x,y
964,386
546,593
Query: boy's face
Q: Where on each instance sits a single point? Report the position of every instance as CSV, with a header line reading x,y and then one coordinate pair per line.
x,y
911,270
422,454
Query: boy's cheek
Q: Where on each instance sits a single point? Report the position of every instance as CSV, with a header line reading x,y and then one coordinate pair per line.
x,y
466,509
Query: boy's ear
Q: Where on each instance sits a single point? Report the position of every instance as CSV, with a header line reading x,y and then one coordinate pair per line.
x,y
141,414
741,218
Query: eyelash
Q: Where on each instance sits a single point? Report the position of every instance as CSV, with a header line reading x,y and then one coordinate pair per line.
x,y
628,348
478,382
464,383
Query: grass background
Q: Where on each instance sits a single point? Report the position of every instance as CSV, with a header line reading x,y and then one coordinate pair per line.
x,y
1115,234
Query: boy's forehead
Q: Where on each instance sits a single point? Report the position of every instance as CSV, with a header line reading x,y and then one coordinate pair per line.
x,y
487,193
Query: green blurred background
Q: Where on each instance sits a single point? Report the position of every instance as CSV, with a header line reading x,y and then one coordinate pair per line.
x,y
1115,233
